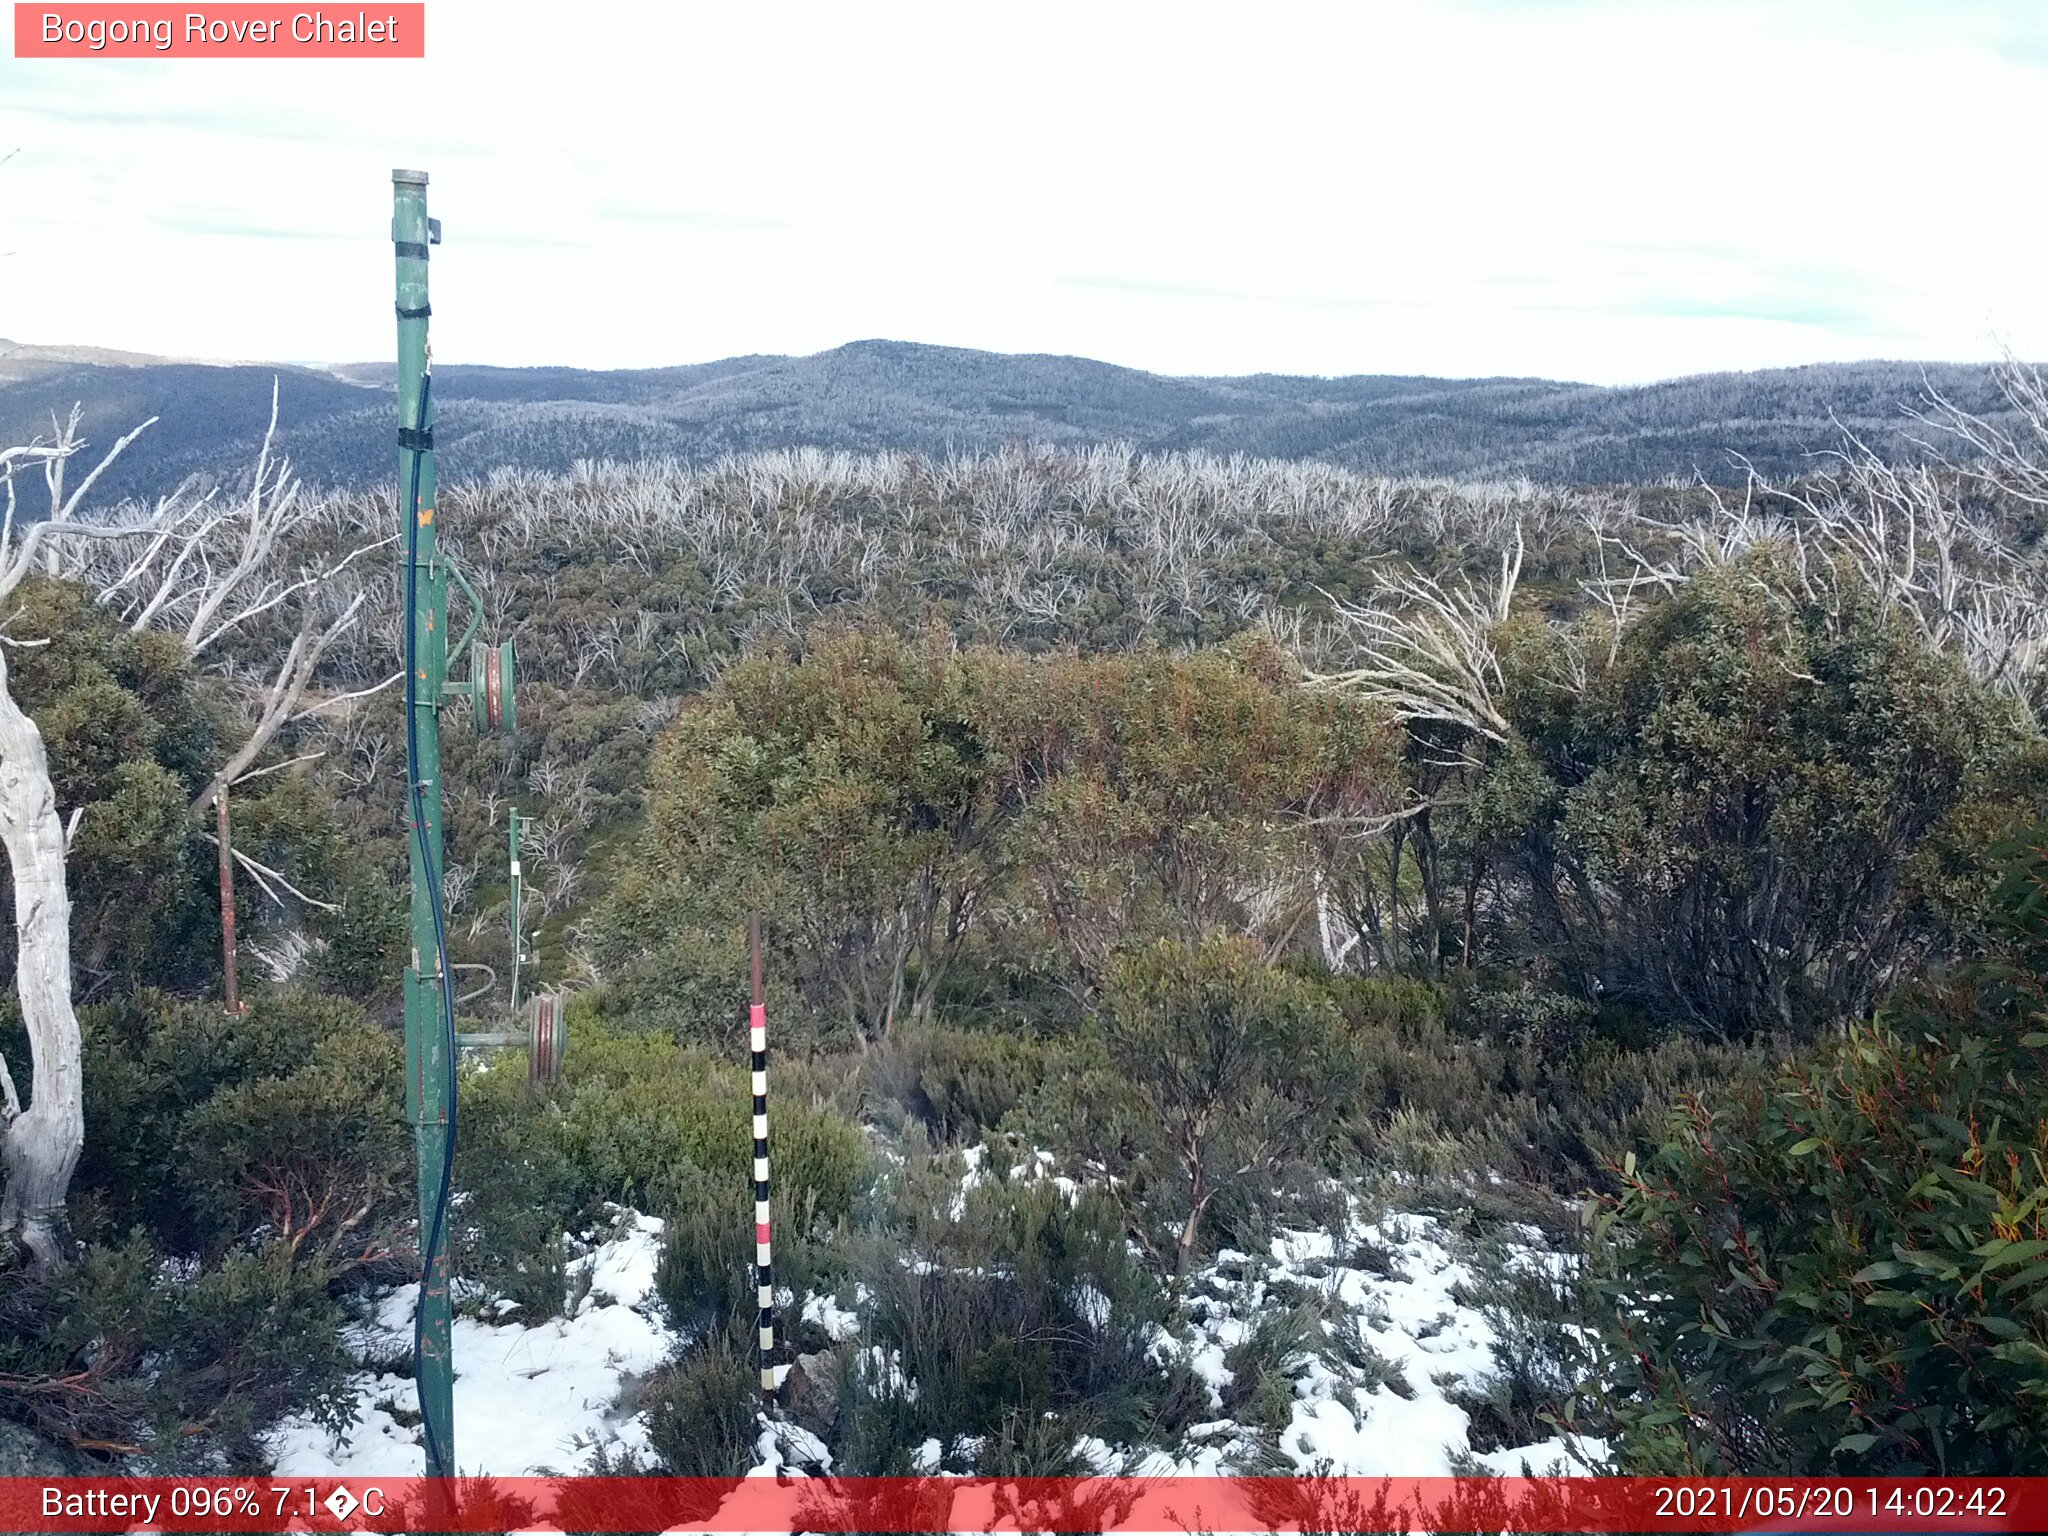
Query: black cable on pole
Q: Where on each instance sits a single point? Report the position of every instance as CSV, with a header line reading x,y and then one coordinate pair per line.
x,y
417,800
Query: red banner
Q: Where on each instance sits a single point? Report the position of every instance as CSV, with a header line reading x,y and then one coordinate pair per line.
x,y
228,31
1175,1505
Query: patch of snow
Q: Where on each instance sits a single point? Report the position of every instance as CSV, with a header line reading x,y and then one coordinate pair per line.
x,y
1546,1457
541,1398
1098,1455
1207,1364
1092,1306
826,1313
527,1399
787,1450
1344,1420
622,1271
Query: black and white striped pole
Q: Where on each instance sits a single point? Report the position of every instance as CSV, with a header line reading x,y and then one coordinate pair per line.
x,y
764,1267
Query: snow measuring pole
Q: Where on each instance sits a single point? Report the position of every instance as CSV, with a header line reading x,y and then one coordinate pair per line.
x,y
764,1257
517,879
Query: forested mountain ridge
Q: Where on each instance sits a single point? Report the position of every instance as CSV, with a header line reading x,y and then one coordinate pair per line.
x,y
887,396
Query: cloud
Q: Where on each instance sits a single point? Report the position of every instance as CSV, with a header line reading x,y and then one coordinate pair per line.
x,y
1139,285
1574,188
630,210
200,221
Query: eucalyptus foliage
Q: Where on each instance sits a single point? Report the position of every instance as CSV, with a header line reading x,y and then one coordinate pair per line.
x,y
1843,1266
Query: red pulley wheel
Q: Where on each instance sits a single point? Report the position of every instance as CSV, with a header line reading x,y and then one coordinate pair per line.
x,y
494,692
546,1058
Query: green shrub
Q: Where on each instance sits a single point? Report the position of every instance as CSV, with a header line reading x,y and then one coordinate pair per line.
x,y
848,792
705,1275
520,1190
681,971
205,1123
365,938
1350,1340
1013,1304
635,1111
1274,1353
239,1170
1401,1004
703,1408
251,1339
1212,1075
1843,1268
960,1083
637,1121
132,732
1543,1349
178,1364
1723,826
317,1159
1515,1080
1534,1017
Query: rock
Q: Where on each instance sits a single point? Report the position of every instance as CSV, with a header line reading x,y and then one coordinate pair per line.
x,y
810,1392
24,1453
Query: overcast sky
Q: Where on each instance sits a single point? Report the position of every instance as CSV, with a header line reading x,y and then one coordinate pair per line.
x,y
1569,188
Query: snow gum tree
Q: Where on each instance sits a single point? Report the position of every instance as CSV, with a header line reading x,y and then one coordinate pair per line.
x,y
41,1141
208,572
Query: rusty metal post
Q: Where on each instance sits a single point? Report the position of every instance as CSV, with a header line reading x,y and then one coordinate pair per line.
x,y
227,899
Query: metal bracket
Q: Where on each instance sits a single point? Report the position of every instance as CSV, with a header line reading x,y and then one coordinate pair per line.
x,y
476,615
466,965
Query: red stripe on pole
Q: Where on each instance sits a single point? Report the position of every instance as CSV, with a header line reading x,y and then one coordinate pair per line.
x,y
760,1231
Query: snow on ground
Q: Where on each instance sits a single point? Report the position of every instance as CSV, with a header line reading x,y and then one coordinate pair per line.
x,y
837,1321
527,1399
532,1399
1345,1421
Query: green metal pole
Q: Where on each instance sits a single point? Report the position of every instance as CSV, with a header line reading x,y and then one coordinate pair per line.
x,y
427,1066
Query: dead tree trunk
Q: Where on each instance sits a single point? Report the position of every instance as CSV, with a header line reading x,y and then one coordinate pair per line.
x,y
42,1143
39,1145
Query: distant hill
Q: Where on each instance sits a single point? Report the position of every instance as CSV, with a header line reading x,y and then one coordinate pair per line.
x,y
337,423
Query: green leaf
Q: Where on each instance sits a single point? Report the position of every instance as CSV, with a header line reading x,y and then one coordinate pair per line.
x,y
2027,1276
1927,1263
1883,1269
2018,1253
2022,1352
1855,1445
1801,1148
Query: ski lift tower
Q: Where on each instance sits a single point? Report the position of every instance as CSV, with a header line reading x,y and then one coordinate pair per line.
x,y
430,1039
